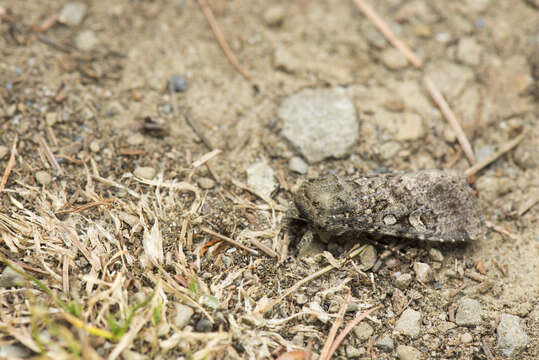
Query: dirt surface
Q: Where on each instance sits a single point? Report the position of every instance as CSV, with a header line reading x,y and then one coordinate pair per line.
x,y
88,106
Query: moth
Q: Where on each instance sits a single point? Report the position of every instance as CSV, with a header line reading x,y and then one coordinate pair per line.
x,y
432,205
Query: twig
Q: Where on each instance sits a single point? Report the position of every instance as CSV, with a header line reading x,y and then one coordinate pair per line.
x,y
267,250
507,147
502,231
349,328
10,164
221,39
384,29
500,266
198,131
306,280
229,240
325,353
50,156
528,205
451,119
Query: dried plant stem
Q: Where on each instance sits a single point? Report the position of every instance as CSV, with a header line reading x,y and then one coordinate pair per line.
x,y
451,119
221,39
384,29
502,231
325,353
10,164
229,240
307,279
349,328
506,148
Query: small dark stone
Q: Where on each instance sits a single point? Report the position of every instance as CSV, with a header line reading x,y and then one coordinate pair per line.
x,y
204,325
437,285
178,83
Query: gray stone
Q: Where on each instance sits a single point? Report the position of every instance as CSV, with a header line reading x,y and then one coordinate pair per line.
x,y
10,278
86,40
436,255
389,149
363,331
403,281
205,183
320,123
409,323
260,177
285,61
410,128
14,351
451,79
511,337
368,257
468,312
353,352
423,272
183,315
204,325
385,343
135,139
43,177
95,146
274,15
178,83
144,172
469,51
4,150
466,338
394,59
72,13
408,353
297,164
132,355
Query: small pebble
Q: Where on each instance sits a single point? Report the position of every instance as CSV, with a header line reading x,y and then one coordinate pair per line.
x,y
468,51
385,343
10,278
51,118
204,325
4,150
183,315
43,177
394,59
411,127
260,177
423,272
297,164
274,15
511,337
466,338
178,83
94,146
409,323
368,257
72,13
363,331
135,139
302,299
205,183
468,312
309,245
436,255
144,172
353,352
163,328
408,353
14,351
403,281
86,40
132,355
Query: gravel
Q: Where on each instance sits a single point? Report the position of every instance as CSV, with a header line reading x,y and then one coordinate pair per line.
x,y
394,59
363,331
423,272
409,323
468,312
403,281
72,13
297,164
511,337
43,177
385,343
408,353
183,315
205,183
260,177
320,123
145,172
10,278
178,83
204,325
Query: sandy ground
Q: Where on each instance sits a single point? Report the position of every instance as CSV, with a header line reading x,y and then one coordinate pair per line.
x,y
81,103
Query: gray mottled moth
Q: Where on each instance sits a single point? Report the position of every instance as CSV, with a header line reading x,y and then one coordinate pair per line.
x,y
430,205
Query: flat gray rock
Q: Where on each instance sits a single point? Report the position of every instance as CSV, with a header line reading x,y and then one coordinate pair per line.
x,y
511,338
409,323
468,312
320,123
